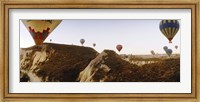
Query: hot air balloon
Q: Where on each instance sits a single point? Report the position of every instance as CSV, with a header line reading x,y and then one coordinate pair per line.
x,y
176,46
94,44
40,29
152,52
169,52
82,41
169,28
50,40
119,47
165,48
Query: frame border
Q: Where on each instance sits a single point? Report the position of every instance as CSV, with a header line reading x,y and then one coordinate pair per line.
x,y
6,5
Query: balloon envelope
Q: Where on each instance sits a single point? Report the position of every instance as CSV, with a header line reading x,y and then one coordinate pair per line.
x,y
169,52
119,47
169,28
94,44
82,41
165,48
152,52
40,29
176,46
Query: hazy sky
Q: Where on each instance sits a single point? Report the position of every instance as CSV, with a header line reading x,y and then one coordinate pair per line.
x,y
136,36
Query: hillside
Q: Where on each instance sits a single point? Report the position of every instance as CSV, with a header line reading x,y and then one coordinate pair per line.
x,y
164,71
69,63
55,62
109,67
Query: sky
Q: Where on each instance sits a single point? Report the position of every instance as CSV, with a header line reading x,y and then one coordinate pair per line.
x,y
137,37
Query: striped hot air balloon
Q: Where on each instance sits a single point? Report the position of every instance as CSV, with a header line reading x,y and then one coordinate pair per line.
x,y
169,28
40,29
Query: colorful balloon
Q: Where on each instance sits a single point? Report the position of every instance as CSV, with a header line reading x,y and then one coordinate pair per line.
x,y
119,47
169,28
176,46
82,41
165,48
40,29
169,52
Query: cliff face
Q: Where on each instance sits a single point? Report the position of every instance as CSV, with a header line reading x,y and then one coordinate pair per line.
x,y
110,67
55,62
69,63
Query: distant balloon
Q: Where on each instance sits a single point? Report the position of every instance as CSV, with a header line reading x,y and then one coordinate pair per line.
x,y
94,44
176,46
169,52
152,52
82,41
169,28
40,29
119,47
165,48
